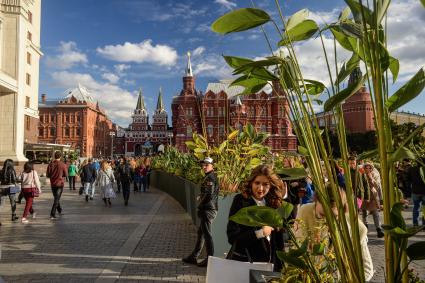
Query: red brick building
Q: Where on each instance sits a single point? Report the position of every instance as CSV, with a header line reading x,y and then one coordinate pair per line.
x,y
221,107
77,120
142,138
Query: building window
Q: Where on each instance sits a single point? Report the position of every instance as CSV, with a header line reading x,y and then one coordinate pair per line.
x,y
40,132
78,118
27,101
28,58
66,132
189,112
29,36
210,111
41,118
221,111
67,118
30,17
189,131
52,118
263,128
52,132
321,122
221,130
27,123
210,130
28,79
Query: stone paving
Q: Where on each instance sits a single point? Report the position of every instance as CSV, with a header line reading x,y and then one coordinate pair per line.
x,y
143,242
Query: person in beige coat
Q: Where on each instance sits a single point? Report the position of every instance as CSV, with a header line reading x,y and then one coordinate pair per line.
x,y
311,219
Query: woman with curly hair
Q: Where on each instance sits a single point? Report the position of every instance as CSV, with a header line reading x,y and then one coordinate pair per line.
x,y
257,244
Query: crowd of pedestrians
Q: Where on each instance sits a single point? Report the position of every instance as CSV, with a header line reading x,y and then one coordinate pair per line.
x,y
108,176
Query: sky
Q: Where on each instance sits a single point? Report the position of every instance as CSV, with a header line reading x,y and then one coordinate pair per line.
x,y
116,47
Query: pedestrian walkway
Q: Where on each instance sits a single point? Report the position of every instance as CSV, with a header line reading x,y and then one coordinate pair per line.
x,y
142,242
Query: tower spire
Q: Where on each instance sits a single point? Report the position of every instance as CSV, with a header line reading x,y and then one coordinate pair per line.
x,y
189,72
160,104
140,101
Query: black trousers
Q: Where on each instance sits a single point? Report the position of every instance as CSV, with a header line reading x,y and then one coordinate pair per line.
x,y
125,186
71,180
57,193
204,233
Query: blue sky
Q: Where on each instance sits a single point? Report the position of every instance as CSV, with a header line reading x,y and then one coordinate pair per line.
x,y
114,47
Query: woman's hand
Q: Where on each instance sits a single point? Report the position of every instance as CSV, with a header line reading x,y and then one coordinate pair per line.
x,y
267,230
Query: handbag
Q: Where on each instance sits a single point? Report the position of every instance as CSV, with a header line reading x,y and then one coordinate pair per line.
x,y
220,270
15,189
36,192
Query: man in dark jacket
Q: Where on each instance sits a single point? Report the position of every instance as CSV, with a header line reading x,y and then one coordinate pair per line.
x,y
88,177
56,171
126,177
207,211
418,190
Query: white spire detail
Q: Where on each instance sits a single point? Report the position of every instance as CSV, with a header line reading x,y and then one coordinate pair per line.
x,y
189,72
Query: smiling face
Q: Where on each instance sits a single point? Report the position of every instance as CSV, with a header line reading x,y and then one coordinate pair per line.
x,y
260,187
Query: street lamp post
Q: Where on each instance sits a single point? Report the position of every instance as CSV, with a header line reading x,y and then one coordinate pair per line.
x,y
112,134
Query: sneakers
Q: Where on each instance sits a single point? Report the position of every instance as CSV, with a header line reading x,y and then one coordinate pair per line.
x,y
53,218
34,215
379,232
190,260
203,263
24,221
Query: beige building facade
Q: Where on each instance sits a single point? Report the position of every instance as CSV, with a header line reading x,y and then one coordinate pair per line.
x,y
19,75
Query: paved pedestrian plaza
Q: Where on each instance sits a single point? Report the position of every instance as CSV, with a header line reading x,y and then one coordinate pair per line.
x,y
143,242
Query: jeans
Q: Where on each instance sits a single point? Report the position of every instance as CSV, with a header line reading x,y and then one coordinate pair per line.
x,y
418,200
12,203
125,190
89,189
71,180
142,182
204,233
375,214
57,193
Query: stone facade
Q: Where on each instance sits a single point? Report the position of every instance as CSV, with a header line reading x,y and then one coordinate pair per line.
x,y
142,138
77,120
358,112
221,107
19,75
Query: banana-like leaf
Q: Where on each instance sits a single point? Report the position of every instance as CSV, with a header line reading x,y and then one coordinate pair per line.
x,y
344,94
407,92
191,145
351,29
250,84
288,174
423,3
402,153
394,67
344,14
256,72
314,87
382,7
348,68
293,261
399,233
396,218
318,249
236,62
416,251
301,31
302,150
233,135
285,210
347,42
357,9
240,20
258,216
368,154
297,18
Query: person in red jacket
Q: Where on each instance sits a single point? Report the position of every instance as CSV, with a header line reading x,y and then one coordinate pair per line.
x,y
56,171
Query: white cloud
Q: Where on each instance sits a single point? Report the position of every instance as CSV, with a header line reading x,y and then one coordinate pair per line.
x,y
142,52
112,78
211,65
198,51
117,102
228,4
68,56
121,68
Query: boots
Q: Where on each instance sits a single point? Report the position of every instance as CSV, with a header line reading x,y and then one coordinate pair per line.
x,y
109,202
14,217
380,233
104,200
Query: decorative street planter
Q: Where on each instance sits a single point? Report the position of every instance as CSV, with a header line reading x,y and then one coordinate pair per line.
x,y
185,193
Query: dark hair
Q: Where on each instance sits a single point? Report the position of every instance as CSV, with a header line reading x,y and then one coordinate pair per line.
x,y
28,167
277,188
352,158
58,154
8,174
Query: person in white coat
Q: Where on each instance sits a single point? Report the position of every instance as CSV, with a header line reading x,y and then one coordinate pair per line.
x,y
31,187
105,179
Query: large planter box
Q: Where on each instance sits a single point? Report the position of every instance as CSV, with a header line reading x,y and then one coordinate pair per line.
x,y
185,192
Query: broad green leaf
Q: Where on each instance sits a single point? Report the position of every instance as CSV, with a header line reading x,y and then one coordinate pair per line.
x,y
236,62
344,14
288,174
416,251
344,94
348,68
233,135
301,31
399,233
407,92
300,251
423,3
302,150
240,20
351,29
319,249
270,61
256,72
368,154
297,18
285,210
416,132
396,219
394,67
290,260
314,87
222,146
422,173
382,7
358,10
345,41
251,85
402,153
191,145
199,150
258,216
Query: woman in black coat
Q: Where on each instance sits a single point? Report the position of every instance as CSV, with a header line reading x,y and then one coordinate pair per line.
x,y
257,244
8,179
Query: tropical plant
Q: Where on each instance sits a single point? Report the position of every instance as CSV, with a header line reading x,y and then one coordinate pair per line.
x,y
235,157
361,30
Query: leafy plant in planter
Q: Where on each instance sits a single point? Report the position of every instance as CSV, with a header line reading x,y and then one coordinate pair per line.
x,y
364,35
235,157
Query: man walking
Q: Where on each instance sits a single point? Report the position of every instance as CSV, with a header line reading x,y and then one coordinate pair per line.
x,y
88,176
207,211
418,191
126,176
56,171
